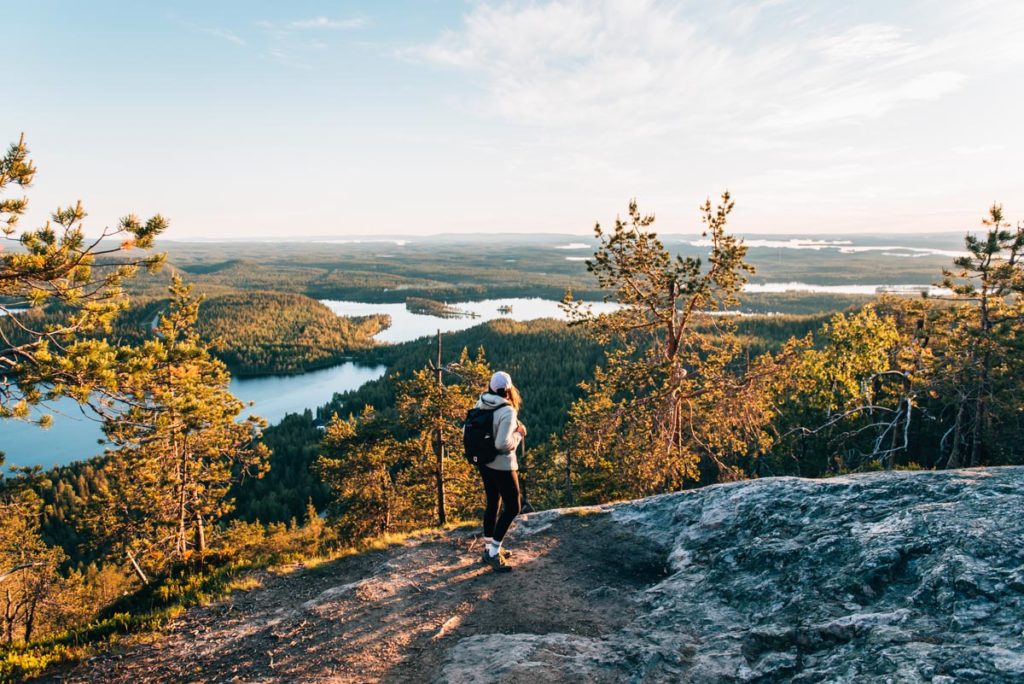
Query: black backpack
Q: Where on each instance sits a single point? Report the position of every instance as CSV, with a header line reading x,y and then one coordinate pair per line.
x,y
478,436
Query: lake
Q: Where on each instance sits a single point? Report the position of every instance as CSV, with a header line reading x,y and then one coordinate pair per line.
x,y
74,435
778,288
406,325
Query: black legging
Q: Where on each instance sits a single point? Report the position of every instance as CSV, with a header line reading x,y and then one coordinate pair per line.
x,y
503,485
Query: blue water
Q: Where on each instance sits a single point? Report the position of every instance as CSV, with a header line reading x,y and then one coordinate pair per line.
x,y
76,434
407,326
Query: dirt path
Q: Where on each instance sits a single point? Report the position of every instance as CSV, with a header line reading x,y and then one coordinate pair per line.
x,y
392,615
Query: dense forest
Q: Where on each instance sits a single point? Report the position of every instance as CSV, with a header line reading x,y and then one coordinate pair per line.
x,y
547,358
461,268
259,333
256,333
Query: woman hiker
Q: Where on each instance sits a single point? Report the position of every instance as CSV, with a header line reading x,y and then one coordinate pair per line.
x,y
501,476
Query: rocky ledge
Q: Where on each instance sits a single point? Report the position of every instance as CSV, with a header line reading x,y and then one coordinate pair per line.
x,y
883,577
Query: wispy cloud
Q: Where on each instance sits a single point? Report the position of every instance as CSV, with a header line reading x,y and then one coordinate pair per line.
x,y
292,43
972,150
865,43
775,99
216,31
328,23
222,33
644,67
744,16
874,115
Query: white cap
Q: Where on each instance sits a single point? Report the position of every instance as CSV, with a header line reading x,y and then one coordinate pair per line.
x,y
500,380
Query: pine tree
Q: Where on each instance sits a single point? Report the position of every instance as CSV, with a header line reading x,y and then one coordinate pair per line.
x,y
432,411
29,579
180,443
391,475
56,266
363,464
980,354
671,403
74,288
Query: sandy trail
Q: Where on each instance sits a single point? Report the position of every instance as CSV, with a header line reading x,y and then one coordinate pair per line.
x,y
393,615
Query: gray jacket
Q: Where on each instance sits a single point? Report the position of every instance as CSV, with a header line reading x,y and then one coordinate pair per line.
x,y
506,438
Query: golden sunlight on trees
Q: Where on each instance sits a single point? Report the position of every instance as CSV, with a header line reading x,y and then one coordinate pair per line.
x,y
57,266
400,475
851,400
366,469
30,585
180,444
934,382
674,401
431,410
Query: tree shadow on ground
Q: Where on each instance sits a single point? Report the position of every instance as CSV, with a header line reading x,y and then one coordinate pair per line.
x,y
392,615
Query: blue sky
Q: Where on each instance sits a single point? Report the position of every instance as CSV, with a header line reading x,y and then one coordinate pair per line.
x,y
264,119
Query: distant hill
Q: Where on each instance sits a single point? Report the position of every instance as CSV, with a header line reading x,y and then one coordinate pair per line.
x,y
261,333
267,332
472,267
221,266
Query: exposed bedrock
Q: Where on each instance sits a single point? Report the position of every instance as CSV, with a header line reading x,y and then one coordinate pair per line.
x,y
887,577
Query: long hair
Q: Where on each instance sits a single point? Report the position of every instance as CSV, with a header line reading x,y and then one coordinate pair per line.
x,y
514,398
510,394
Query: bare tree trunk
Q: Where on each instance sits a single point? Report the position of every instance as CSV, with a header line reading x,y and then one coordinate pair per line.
x,y
8,618
977,432
135,565
569,497
182,543
8,637
442,515
980,409
200,535
387,503
30,617
955,452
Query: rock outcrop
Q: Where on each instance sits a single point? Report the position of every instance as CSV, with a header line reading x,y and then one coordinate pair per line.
x,y
887,577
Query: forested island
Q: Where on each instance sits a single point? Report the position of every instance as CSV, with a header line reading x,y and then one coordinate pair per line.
x,y
432,307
